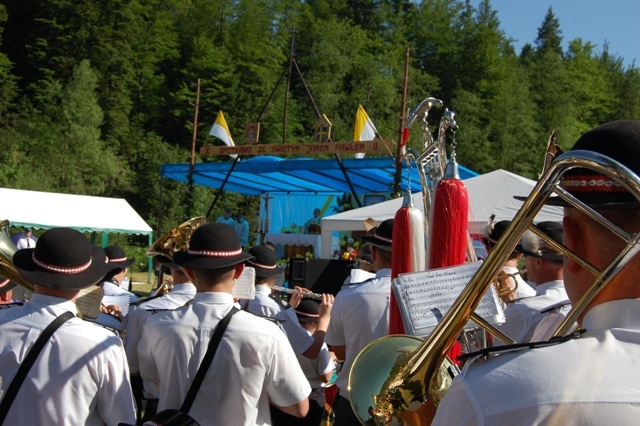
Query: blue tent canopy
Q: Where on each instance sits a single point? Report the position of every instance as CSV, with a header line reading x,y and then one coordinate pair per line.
x,y
275,175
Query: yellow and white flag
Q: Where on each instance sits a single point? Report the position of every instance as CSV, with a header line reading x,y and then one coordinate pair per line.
x,y
364,129
220,130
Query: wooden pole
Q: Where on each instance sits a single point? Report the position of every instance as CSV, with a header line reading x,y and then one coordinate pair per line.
x,y
399,156
192,159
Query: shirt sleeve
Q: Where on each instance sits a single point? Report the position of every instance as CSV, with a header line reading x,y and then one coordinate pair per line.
x,y
335,331
115,398
285,383
298,337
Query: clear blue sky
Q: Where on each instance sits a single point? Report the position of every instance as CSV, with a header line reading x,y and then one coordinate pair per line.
x,y
616,22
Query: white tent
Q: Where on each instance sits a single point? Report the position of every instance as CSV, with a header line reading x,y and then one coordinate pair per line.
x,y
84,213
491,193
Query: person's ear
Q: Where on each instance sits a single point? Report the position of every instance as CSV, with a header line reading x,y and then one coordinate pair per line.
x,y
189,273
238,272
574,240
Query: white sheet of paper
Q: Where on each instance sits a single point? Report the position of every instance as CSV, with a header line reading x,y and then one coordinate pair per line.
x,y
120,301
425,297
245,286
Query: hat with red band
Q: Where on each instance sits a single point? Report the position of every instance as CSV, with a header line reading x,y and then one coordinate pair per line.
x,y
618,140
265,262
63,259
382,238
212,246
6,285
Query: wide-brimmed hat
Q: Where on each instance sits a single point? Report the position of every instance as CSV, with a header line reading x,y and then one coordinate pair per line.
x,y
6,285
117,258
533,245
308,310
619,140
265,262
382,236
212,246
495,231
63,259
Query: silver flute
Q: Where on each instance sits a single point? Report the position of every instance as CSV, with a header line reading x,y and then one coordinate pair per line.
x,y
288,290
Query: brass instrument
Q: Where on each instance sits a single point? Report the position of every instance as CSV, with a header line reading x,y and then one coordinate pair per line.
x,y
7,249
177,239
502,280
418,381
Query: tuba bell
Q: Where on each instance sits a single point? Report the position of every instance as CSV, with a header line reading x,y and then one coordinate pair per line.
x,y
410,385
177,239
7,249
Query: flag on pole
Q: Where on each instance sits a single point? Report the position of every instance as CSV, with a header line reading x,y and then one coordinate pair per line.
x,y
364,129
220,130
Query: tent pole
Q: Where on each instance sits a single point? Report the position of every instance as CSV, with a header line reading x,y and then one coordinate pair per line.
x,y
336,156
224,182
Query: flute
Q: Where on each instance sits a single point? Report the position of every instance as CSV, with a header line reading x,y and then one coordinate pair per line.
x,y
288,290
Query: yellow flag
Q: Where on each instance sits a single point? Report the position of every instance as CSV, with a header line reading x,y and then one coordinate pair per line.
x,y
364,129
220,130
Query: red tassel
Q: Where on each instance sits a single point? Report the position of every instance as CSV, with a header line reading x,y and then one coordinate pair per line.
x,y
449,228
408,254
449,224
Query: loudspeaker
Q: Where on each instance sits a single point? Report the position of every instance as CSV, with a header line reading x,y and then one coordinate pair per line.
x,y
319,275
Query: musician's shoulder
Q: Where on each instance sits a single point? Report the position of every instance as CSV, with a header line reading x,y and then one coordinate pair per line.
x,y
489,354
14,304
140,302
556,306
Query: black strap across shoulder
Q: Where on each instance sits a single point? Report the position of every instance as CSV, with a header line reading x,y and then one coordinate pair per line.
x,y
31,357
206,361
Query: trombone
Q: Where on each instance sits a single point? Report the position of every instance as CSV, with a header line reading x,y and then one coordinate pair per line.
x,y
416,375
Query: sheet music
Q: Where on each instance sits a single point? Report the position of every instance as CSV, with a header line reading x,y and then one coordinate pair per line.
x,y
245,285
121,301
425,297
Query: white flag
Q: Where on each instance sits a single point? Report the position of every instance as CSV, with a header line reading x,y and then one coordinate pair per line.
x,y
220,130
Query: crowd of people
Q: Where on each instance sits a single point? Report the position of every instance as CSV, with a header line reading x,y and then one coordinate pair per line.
x,y
276,360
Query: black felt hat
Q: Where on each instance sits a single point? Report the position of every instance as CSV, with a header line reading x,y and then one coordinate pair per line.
x,y
212,246
62,259
383,235
6,285
619,140
495,231
308,310
117,258
529,245
265,262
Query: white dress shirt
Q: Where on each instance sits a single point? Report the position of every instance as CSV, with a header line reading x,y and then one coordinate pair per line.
x,y
591,380
522,316
360,314
80,378
254,363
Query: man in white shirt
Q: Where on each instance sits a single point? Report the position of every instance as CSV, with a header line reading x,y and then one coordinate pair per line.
x,y
118,267
27,240
544,268
590,379
80,376
254,364
140,311
360,314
